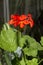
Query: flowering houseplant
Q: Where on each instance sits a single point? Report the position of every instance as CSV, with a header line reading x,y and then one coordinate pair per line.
x,y
13,41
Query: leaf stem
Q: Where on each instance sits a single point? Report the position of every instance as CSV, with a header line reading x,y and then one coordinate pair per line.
x,y
7,59
40,61
17,38
24,56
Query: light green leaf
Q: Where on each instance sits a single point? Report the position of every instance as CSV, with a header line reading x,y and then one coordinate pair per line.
x,y
31,42
22,62
8,39
22,41
30,51
32,47
34,61
41,40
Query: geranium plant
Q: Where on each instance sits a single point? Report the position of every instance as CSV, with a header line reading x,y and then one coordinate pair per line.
x,y
21,46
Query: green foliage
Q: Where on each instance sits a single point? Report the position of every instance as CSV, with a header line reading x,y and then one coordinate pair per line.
x,y
32,46
30,41
23,61
41,40
8,39
11,38
30,51
27,62
32,62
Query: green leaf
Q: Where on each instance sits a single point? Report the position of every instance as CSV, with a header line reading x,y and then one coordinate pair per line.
x,y
41,40
8,39
0,41
30,51
34,61
22,41
31,41
32,47
22,62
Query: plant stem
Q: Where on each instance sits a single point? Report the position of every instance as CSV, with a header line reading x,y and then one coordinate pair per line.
x,y
7,59
17,38
40,61
24,56
1,57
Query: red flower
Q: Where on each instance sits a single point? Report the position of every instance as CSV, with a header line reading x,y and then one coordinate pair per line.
x,y
22,17
11,22
14,20
21,24
29,15
15,17
31,22
21,21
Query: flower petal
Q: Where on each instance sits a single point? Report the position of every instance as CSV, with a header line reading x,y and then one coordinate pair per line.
x,y
21,25
22,17
11,22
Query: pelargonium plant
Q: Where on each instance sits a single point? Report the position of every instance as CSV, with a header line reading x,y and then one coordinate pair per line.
x,y
22,46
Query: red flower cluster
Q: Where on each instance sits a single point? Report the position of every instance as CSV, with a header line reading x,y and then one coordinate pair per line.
x,y
21,21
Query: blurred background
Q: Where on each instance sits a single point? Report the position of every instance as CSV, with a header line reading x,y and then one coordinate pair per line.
x,y
8,7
